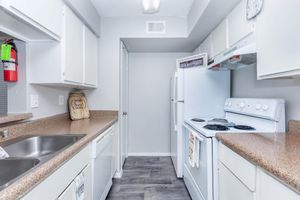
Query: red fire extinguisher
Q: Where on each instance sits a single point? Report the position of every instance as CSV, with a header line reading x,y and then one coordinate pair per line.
x,y
11,65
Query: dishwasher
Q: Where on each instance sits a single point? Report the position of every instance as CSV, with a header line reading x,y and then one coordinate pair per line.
x,y
102,150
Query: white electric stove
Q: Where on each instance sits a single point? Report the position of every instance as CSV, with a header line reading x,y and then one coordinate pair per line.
x,y
241,115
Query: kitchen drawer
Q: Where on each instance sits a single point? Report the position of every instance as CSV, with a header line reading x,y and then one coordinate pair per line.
x,y
231,188
240,167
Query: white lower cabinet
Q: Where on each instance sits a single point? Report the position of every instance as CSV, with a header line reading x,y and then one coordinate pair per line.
x,y
93,165
241,180
69,193
271,189
87,174
237,176
54,185
231,188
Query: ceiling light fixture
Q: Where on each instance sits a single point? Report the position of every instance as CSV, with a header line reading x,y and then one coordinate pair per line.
x,y
151,6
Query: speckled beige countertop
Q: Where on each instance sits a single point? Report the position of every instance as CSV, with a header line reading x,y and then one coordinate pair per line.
x,y
60,124
277,153
14,117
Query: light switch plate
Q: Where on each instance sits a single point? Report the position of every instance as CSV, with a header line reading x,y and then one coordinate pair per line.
x,y
34,100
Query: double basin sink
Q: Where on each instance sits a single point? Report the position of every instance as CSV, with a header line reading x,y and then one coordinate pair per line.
x,y
28,152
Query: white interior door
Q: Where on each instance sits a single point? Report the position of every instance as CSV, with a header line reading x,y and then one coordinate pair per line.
x,y
124,103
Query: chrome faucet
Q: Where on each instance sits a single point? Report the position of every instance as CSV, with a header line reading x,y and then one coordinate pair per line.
x,y
4,133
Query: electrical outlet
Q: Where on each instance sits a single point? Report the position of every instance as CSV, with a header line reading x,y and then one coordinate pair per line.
x,y
34,100
61,100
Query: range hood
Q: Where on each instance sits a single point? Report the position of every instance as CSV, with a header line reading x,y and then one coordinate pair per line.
x,y
241,54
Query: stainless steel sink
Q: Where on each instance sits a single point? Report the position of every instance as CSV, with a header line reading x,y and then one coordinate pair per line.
x,y
25,153
11,169
39,146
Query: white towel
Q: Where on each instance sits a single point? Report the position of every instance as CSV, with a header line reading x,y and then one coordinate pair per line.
x,y
79,182
192,142
194,150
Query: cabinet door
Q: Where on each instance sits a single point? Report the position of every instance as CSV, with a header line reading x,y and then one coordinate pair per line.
x,y
87,173
206,47
69,193
238,25
278,41
73,51
219,38
44,12
273,189
231,188
91,58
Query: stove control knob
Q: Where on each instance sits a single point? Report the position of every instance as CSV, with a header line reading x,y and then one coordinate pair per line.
x,y
229,104
242,105
265,107
258,107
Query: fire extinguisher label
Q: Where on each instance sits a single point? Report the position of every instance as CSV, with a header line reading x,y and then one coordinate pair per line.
x,y
9,66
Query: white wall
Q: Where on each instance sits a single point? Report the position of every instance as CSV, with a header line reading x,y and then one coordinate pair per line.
x,y
106,96
19,93
245,84
149,102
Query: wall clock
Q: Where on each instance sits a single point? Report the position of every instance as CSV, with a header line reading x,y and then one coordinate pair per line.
x,y
253,8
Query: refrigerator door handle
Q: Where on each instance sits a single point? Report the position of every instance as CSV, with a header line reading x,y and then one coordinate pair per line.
x,y
175,88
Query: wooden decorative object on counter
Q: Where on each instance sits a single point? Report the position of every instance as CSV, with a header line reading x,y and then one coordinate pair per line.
x,y
78,106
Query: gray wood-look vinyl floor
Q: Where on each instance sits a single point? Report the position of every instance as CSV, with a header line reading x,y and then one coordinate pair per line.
x,y
148,178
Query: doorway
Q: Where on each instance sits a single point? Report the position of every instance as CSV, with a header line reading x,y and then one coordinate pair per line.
x,y
124,69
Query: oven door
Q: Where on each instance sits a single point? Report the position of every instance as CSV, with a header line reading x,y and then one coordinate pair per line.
x,y
199,179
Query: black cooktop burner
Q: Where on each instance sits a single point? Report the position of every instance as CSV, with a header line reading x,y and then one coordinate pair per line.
x,y
216,127
197,120
220,120
243,127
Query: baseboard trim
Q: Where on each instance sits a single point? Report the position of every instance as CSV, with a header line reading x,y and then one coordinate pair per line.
x,y
118,174
151,154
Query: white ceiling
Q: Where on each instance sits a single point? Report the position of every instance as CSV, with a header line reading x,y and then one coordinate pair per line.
x,y
133,8
210,18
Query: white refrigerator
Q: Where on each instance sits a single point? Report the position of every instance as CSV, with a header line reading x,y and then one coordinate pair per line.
x,y
196,92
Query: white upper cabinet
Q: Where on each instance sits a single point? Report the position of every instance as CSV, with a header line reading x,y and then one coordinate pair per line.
x,y
278,39
73,41
206,47
91,58
73,62
220,38
44,12
32,20
238,25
